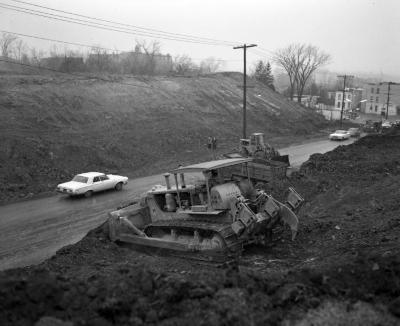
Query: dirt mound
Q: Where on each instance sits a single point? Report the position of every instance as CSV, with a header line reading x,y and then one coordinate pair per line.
x,y
343,267
53,127
98,283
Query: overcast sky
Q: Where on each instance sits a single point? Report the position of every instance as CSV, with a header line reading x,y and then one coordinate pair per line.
x,y
360,35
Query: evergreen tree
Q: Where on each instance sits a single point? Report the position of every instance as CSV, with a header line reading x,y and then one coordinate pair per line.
x,y
269,77
263,74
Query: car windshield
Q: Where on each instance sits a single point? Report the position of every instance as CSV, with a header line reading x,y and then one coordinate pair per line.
x,y
80,178
340,131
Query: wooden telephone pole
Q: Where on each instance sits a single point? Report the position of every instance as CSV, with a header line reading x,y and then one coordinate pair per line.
x,y
388,97
343,95
244,47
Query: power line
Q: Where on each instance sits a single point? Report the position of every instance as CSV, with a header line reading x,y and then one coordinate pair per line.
x,y
59,41
266,50
108,27
260,54
97,25
72,74
143,31
127,25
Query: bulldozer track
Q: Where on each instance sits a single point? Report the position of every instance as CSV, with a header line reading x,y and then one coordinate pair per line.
x,y
232,245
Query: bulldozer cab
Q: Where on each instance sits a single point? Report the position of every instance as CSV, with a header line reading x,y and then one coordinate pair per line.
x,y
214,173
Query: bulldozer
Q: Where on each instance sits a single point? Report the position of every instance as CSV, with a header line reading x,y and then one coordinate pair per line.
x,y
211,218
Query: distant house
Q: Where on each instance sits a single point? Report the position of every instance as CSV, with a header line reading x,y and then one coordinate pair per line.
x,y
331,95
352,99
376,95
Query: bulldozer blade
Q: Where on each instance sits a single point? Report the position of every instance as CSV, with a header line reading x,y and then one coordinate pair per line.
x,y
290,219
294,200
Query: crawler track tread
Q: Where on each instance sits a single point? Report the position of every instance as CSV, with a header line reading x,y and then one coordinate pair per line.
x,y
233,246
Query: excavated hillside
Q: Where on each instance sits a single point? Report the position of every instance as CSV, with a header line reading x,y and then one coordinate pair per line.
x,y
53,127
342,269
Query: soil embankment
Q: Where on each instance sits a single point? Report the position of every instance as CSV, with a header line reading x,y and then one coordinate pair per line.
x,y
343,268
53,127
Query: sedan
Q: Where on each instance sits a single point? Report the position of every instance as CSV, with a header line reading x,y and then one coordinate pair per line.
x,y
354,132
88,183
339,135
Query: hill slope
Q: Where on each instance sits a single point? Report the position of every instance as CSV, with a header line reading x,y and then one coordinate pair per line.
x,y
53,127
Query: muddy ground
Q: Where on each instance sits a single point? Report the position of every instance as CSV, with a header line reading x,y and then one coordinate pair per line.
x,y
343,268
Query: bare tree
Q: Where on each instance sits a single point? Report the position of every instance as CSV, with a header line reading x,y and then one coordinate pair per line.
x,y
20,50
99,60
36,56
54,51
6,41
210,65
183,64
311,59
151,51
300,61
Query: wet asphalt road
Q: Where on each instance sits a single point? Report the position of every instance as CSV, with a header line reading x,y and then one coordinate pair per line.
x,y
32,231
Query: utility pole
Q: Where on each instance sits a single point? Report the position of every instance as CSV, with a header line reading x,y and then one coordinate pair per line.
x,y
387,101
388,97
244,47
343,94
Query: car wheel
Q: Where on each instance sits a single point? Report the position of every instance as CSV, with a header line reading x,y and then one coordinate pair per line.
x,y
118,186
88,194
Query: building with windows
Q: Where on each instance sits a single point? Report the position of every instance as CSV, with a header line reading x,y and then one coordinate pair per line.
x,y
376,96
352,99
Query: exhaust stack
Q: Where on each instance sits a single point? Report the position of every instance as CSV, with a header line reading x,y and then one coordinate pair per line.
x,y
183,185
166,176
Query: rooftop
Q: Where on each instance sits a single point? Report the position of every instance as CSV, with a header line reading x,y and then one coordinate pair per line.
x,y
211,165
91,174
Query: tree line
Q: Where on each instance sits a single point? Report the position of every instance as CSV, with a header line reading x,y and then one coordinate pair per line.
x,y
146,58
299,61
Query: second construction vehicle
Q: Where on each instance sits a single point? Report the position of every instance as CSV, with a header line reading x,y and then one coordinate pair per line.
x,y
211,219
267,164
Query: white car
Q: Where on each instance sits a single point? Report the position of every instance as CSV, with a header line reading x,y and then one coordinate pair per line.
x,y
339,135
88,183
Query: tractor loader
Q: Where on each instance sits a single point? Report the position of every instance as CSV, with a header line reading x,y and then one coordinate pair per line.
x,y
267,165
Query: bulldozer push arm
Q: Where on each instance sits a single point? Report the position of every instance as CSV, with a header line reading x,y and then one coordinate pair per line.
x,y
269,212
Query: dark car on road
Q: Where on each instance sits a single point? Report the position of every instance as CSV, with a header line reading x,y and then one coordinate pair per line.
x,y
354,132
